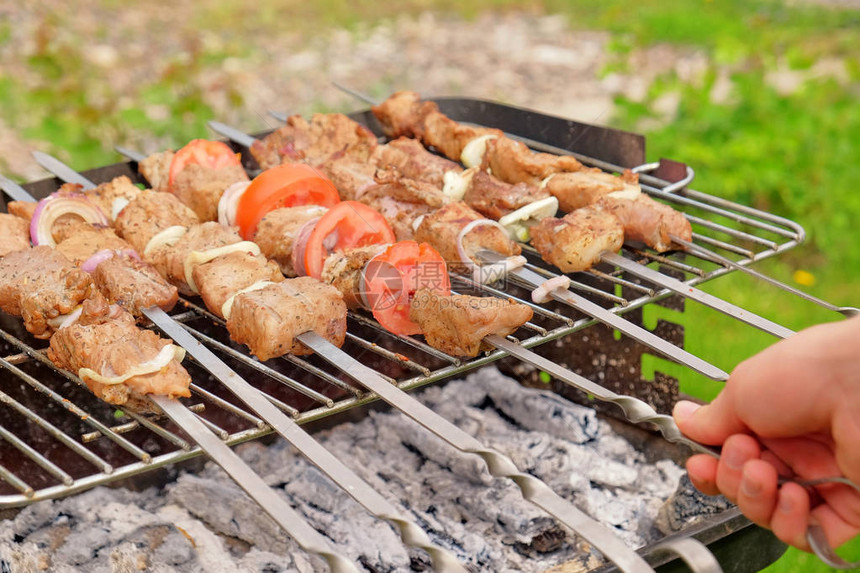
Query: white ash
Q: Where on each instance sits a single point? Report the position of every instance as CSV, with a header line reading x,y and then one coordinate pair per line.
x,y
204,522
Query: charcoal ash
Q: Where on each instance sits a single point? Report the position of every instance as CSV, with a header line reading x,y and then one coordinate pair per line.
x,y
205,522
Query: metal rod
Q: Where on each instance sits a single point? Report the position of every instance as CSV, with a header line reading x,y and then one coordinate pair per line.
x,y
15,481
31,453
499,465
714,257
698,295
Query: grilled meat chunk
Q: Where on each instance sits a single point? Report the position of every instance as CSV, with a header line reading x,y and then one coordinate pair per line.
x,y
133,284
494,198
441,228
224,276
14,234
402,200
111,196
79,241
575,242
268,320
170,261
200,187
315,141
22,209
412,160
588,185
513,162
149,214
344,270
649,221
40,284
106,341
351,178
277,232
457,324
156,169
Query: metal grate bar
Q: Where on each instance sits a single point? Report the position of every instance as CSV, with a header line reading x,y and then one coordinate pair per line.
x,y
79,412
578,285
654,257
15,481
423,346
723,245
732,232
28,451
388,355
538,309
221,403
213,427
622,281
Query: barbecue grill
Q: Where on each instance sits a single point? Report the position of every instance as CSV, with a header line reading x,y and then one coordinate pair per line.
x,y
57,439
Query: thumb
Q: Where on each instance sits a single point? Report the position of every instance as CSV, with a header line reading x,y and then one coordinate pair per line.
x,y
709,424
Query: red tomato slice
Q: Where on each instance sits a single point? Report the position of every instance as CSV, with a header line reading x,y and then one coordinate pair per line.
x,y
289,185
347,225
392,278
214,154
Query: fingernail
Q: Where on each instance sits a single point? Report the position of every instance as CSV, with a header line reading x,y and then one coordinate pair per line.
x,y
785,504
684,409
734,459
750,486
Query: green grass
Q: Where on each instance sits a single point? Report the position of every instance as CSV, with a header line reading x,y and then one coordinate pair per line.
x,y
796,155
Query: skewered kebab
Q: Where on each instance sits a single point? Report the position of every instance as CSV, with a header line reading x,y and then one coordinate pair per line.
x,y
499,465
362,492
642,217
355,182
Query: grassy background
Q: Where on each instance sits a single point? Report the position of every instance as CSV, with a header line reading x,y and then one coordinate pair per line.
x,y
793,152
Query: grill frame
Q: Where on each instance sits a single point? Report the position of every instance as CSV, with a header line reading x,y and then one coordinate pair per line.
x,y
567,136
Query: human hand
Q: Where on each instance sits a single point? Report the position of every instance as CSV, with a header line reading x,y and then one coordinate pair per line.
x,y
800,400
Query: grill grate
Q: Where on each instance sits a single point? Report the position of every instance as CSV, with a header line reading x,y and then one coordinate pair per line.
x,y
70,441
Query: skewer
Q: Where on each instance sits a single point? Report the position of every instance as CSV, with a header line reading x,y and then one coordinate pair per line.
x,y
572,299
339,473
708,255
658,278
499,465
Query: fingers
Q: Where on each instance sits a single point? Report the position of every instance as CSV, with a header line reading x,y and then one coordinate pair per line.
x,y
702,469
709,424
791,517
757,494
737,451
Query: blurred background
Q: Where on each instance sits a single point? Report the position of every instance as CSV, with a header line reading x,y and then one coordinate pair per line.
x,y
760,98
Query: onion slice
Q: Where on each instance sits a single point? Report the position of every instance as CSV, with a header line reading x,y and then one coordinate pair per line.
x,y
227,307
456,184
162,359
486,274
101,256
229,202
543,293
517,223
300,244
65,320
195,258
55,206
474,151
169,236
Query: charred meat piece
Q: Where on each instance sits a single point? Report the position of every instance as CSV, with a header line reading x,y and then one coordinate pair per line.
x,y
80,241
441,229
494,198
411,159
149,214
40,284
268,320
315,141
133,284
576,241
401,201
224,276
106,341
277,232
588,185
14,234
170,260
649,221
456,324
344,270
513,162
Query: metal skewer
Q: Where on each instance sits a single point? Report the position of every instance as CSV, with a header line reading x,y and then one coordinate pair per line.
x,y
339,473
572,299
708,255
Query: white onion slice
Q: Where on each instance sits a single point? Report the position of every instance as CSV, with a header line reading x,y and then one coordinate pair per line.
x,y
229,202
517,223
117,206
455,185
101,256
227,307
543,293
473,152
65,320
161,360
630,192
55,206
545,181
494,271
300,244
169,236
195,258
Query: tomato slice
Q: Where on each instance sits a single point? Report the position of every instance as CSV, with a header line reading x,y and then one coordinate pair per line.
x,y
392,278
346,225
214,154
288,185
